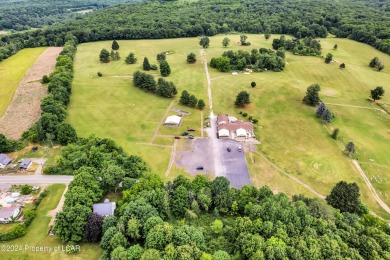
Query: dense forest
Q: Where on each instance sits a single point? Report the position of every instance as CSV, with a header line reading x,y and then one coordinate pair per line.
x,y
23,15
364,21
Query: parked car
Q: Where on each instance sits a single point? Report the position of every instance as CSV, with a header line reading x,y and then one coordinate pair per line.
x,y
199,168
191,137
177,137
191,129
228,149
239,148
34,149
185,134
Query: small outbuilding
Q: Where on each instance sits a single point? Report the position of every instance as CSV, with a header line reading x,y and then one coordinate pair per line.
x,y
25,164
241,132
173,121
223,133
104,209
4,160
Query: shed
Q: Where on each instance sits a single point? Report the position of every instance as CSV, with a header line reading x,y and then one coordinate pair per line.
x,y
4,160
25,164
173,120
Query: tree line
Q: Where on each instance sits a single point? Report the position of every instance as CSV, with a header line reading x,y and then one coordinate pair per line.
x,y
305,47
148,20
207,219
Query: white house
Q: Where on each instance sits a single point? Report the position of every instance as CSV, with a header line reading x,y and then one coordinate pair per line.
x,y
4,160
173,121
6,213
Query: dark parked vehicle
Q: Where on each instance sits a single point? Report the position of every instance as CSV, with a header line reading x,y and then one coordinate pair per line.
x,y
191,129
199,168
191,137
34,149
185,134
228,149
177,137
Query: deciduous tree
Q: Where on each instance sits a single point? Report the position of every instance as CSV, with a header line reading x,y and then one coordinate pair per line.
x,y
94,228
328,58
350,148
242,99
225,42
345,197
191,58
201,104
204,42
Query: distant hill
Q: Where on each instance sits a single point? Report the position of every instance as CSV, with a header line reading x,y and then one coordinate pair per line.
x,y
22,15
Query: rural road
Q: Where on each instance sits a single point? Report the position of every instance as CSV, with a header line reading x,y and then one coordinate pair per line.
x,y
371,188
35,179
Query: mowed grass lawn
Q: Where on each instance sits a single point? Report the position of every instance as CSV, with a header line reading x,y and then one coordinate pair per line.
x,y
12,70
110,106
290,134
36,234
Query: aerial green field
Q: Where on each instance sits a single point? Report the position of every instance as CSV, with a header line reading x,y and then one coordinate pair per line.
x,y
12,70
110,106
290,134
36,234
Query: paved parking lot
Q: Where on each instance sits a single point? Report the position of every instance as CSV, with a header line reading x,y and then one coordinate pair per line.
x,y
215,160
233,163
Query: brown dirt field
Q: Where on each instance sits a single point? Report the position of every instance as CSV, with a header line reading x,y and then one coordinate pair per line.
x,y
24,109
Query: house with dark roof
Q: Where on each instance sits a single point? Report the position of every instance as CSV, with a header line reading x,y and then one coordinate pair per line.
x,y
104,209
25,163
4,160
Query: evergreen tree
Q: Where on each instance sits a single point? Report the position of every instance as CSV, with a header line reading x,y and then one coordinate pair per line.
x,y
253,84
104,56
165,70
146,64
342,66
201,104
191,58
328,58
374,62
267,36
380,66
161,56
184,98
242,99
350,148
112,55
327,116
335,133
377,93
131,59
312,98
117,56
115,45
192,101
320,109
335,47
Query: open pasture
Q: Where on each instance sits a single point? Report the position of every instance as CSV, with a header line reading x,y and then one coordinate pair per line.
x,y
12,70
290,134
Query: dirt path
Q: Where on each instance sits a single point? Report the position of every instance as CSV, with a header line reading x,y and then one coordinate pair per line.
x,y
290,176
24,109
206,69
344,105
162,121
172,159
53,212
370,187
